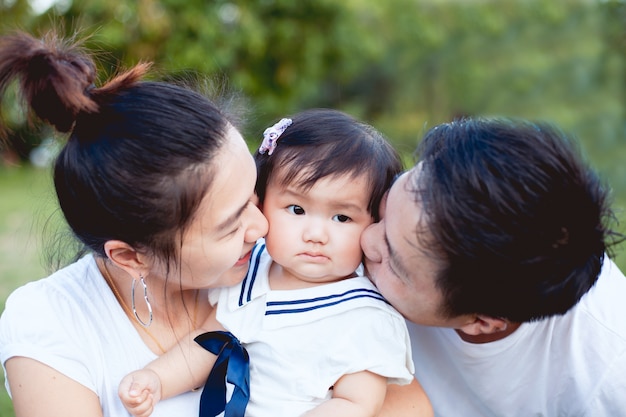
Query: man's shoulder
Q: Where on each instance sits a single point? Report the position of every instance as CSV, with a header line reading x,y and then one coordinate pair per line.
x,y
604,306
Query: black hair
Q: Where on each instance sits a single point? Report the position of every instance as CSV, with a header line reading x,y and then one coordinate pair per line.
x,y
139,155
322,143
515,218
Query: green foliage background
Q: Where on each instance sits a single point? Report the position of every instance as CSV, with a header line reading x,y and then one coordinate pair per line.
x,y
401,65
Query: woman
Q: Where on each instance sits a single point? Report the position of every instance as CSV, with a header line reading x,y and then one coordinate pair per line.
x,y
159,187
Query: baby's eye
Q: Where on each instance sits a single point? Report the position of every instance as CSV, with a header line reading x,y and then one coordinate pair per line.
x,y
341,218
295,209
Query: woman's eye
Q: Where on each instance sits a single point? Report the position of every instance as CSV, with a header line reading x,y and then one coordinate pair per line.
x,y
341,218
294,209
234,231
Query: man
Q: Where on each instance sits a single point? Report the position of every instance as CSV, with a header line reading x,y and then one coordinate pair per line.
x,y
495,244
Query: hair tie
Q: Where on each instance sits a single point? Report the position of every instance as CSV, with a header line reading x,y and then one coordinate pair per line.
x,y
271,135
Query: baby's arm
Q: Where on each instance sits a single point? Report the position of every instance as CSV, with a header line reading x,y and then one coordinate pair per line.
x,y
140,391
406,400
181,369
358,394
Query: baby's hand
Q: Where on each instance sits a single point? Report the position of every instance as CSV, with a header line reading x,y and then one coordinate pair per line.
x,y
140,391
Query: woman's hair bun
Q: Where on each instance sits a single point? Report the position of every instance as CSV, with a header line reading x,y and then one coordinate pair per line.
x,y
55,76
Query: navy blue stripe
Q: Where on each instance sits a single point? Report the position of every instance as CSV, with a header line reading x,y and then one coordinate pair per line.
x,y
251,274
326,297
305,309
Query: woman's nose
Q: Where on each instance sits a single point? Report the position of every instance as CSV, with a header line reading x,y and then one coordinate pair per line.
x,y
258,225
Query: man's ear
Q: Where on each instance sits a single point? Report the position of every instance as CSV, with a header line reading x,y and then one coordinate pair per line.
x,y
126,257
482,325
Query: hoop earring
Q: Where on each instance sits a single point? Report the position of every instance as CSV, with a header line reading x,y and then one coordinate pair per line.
x,y
145,297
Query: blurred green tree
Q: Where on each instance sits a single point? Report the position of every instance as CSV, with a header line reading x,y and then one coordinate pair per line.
x,y
441,57
402,65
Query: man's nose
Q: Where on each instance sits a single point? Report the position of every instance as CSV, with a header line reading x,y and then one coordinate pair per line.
x,y
371,239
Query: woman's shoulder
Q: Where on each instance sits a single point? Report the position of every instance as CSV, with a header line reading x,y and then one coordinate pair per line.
x,y
58,312
62,290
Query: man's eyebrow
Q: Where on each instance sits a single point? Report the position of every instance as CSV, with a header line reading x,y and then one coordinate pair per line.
x,y
394,259
226,224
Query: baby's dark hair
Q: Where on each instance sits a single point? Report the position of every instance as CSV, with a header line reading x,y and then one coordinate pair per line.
x,y
322,143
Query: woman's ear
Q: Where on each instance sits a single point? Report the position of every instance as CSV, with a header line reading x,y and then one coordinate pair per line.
x,y
127,258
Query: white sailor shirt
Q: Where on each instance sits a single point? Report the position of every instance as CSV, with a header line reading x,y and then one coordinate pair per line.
x,y
302,341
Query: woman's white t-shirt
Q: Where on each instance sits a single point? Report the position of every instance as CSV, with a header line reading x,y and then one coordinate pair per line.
x,y
72,322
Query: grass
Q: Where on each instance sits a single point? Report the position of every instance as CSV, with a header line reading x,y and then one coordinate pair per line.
x,y
26,199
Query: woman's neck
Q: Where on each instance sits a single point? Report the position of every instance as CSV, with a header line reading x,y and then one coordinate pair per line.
x,y
175,312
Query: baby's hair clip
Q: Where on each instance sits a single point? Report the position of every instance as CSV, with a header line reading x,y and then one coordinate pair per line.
x,y
271,135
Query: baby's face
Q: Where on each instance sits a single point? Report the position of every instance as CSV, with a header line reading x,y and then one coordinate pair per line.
x,y
314,234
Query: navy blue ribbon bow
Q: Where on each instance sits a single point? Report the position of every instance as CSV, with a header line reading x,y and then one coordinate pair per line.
x,y
232,365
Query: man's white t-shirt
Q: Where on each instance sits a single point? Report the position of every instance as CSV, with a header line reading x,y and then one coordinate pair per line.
x,y
570,365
